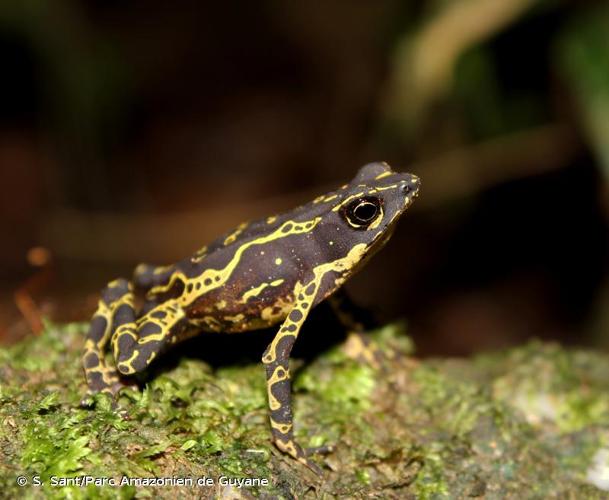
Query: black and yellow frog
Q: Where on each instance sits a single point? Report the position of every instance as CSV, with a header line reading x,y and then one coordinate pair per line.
x,y
263,273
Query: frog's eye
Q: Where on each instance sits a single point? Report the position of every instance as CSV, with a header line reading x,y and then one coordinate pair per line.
x,y
362,212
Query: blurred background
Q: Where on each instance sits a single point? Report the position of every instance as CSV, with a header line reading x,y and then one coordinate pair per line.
x,y
138,131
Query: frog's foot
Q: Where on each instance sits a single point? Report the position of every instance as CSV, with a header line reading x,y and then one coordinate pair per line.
x,y
293,449
362,349
113,385
319,450
134,343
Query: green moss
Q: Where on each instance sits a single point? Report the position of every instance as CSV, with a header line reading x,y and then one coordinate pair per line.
x,y
556,387
530,419
430,482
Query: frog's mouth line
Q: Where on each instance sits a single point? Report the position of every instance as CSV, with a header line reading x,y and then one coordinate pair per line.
x,y
383,237
409,198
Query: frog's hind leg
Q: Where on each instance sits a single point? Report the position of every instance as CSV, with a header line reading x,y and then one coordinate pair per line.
x,y
136,343
116,300
146,276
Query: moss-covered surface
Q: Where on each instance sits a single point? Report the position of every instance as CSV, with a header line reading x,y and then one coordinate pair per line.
x,y
530,422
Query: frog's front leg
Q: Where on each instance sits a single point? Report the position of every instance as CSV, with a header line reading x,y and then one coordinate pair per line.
x,y
279,387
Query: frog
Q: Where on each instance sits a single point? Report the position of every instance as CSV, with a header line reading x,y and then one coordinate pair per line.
x,y
264,273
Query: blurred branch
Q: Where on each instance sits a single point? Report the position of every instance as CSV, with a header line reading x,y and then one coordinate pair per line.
x,y
471,170
582,51
40,259
423,64
159,238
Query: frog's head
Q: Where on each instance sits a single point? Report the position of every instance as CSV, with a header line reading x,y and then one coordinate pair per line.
x,y
377,197
372,203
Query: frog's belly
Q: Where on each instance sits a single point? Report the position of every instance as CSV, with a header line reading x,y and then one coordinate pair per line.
x,y
227,314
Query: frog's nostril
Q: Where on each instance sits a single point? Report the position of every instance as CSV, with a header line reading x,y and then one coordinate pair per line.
x,y
413,185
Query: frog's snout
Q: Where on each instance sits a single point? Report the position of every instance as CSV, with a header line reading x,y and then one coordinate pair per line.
x,y
410,186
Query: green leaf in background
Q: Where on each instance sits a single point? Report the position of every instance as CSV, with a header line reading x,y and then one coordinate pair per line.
x,y
582,53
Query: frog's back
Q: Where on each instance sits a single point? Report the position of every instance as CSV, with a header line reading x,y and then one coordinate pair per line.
x,y
266,260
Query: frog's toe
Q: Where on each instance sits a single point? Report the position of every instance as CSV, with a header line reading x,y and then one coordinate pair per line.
x,y
121,412
312,466
113,389
87,400
296,451
117,386
303,459
319,450
316,450
364,350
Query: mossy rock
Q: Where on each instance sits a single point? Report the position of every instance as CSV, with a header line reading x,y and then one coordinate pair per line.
x,y
529,422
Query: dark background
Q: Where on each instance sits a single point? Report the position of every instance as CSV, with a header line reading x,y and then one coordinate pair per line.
x,y
140,130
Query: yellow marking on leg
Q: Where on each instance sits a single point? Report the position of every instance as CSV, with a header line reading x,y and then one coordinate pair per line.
x,y
357,349
153,337
126,330
283,428
126,299
287,447
104,311
126,365
282,306
172,316
108,374
291,449
310,290
279,375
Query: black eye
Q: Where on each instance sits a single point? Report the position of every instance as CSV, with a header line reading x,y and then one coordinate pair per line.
x,y
363,211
